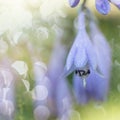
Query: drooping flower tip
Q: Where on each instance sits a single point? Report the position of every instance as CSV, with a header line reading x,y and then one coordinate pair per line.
x,y
103,6
73,3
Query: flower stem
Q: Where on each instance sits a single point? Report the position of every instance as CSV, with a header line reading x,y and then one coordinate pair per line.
x,y
83,4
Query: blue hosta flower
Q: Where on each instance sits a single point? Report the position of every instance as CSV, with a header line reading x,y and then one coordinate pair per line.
x,y
82,56
103,6
60,94
58,100
73,3
96,85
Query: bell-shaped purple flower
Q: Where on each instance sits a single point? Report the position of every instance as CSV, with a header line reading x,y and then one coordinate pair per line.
x,y
103,6
60,94
96,85
73,3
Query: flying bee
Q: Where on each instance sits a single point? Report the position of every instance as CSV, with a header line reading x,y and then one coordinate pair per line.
x,y
83,73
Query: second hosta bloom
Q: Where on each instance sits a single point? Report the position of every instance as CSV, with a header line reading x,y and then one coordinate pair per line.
x,y
60,94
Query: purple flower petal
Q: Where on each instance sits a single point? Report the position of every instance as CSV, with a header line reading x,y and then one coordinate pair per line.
x,y
70,57
116,3
85,42
90,52
102,50
96,88
60,94
82,54
103,6
73,3
80,58
79,90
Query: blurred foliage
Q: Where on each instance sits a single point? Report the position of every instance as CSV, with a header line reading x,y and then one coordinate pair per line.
x,y
33,46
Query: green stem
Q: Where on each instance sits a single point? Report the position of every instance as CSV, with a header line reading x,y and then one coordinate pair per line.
x,y
83,4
